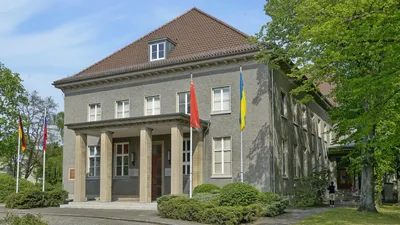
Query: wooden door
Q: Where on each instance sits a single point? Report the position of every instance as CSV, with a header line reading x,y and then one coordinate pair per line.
x,y
156,181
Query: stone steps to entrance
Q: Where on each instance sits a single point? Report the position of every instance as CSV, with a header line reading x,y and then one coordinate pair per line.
x,y
125,205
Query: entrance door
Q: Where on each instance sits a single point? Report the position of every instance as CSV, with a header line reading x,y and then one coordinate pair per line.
x,y
156,182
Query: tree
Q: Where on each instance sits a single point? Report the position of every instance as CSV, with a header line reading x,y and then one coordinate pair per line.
x,y
53,165
34,112
11,97
58,120
355,47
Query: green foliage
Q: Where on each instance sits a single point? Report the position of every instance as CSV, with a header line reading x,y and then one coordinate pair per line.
x,y
238,194
28,199
206,197
8,183
28,219
310,190
53,165
205,188
275,208
167,198
267,197
182,209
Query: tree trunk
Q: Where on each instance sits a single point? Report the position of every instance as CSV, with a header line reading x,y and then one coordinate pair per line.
x,y
367,198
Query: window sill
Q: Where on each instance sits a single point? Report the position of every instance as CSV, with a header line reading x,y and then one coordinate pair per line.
x,y
285,178
305,129
121,177
221,177
93,178
284,117
220,113
295,123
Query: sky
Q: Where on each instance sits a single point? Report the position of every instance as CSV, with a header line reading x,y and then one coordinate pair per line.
x,y
46,40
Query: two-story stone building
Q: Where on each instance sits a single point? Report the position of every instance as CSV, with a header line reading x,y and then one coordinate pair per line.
x,y
127,119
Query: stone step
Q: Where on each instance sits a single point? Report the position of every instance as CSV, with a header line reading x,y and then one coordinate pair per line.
x,y
126,205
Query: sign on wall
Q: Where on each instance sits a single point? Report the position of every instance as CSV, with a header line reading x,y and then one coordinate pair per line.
x,y
71,173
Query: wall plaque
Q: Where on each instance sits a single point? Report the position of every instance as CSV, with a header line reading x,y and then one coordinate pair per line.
x,y
71,174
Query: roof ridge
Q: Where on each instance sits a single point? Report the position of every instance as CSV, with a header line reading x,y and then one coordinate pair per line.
x,y
221,22
192,9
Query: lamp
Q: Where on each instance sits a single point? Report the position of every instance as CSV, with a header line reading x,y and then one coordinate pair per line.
x,y
169,157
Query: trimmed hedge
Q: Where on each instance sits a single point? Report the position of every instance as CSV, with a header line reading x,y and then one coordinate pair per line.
x,y
206,188
7,186
275,208
208,212
266,198
238,194
36,199
27,219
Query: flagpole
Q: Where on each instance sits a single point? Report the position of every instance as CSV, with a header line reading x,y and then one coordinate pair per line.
x,y
190,154
44,151
19,147
241,143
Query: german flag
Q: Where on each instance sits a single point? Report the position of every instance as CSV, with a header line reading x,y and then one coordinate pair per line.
x,y
21,135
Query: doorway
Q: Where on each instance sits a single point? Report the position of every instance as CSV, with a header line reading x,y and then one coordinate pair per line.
x,y
156,171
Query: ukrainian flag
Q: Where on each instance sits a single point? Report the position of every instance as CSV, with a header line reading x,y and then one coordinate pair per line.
x,y
242,119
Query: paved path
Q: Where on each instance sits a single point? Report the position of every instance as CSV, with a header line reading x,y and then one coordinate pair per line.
x,y
61,216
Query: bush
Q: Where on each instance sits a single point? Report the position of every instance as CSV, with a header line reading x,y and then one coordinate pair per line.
x,y
206,188
238,194
228,215
206,197
48,187
28,219
36,199
310,190
183,209
7,186
24,185
275,208
167,198
26,200
266,198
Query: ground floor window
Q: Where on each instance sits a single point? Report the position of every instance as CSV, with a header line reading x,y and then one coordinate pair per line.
x,y
222,159
94,161
121,159
186,157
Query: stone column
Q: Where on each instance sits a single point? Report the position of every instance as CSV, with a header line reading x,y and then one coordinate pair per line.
x,y
145,164
197,158
176,159
106,166
80,167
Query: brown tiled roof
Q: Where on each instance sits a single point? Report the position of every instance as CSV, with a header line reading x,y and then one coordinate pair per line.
x,y
196,34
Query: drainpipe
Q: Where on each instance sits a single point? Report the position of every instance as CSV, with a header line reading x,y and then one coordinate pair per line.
x,y
273,131
204,148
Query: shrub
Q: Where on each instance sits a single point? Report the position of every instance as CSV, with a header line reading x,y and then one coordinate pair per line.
x,y
28,219
251,213
26,200
206,197
182,209
266,198
238,194
275,208
25,185
206,188
310,190
7,186
55,198
228,215
167,198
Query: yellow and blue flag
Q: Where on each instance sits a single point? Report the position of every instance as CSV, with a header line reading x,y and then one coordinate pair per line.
x,y
242,119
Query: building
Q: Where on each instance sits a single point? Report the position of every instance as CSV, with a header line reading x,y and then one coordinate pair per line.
x,y
127,119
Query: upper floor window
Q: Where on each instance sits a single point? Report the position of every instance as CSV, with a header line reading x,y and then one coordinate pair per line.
x,y
186,157
221,99
152,105
184,102
304,117
319,130
157,51
284,159
294,103
94,112
94,161
122,109
283,104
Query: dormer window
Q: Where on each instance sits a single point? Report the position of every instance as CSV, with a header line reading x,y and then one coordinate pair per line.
x,y
157,51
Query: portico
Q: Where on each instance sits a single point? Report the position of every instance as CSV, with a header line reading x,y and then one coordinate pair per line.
x,y
142,155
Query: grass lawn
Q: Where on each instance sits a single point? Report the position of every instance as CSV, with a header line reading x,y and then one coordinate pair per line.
x,y
349,215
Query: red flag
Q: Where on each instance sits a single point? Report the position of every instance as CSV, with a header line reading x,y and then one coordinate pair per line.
x,y
194,112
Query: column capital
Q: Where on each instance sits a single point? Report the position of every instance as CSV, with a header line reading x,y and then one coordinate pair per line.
x,y
106,131
79,132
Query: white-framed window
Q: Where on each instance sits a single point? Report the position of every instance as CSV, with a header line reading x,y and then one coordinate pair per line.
x,y
284,159
122,109
94,161
304,117
184,102
186,157
296,160
121,159
222,156
326,133
152,105
221,99
295,108
157,51
94,112
283,104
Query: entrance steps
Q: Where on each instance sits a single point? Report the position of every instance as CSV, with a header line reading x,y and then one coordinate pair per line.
x,y
124,205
